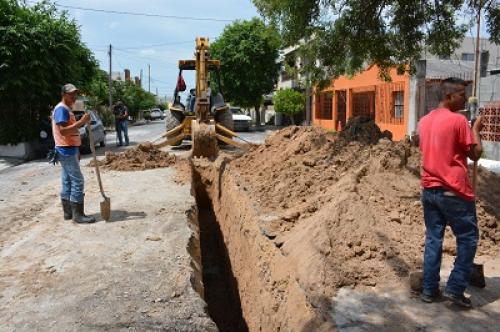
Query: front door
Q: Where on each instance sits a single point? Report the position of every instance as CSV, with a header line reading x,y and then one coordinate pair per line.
x,y
363,104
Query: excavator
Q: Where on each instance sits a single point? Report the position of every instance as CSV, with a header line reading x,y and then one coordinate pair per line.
x,y
207,121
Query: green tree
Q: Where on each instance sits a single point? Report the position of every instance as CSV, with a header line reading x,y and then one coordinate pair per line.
x,y
40,50
289,102
248,51
98,91
344,35
132,95
136,98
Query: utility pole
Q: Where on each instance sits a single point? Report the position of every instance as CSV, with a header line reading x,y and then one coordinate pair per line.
x,y
474,100
476,56
149,78
110,81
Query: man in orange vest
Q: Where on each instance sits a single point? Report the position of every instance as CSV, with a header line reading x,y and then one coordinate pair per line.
x,y
67,142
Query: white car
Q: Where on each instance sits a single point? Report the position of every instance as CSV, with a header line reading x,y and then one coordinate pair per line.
x,y
156,114
241,120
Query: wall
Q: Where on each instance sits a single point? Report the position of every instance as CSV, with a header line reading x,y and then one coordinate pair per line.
x,y
23,150
490,134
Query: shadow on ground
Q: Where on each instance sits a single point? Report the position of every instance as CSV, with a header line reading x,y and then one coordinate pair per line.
x,y
120,215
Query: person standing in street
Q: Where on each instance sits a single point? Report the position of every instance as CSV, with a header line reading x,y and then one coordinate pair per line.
x,y
67,142
446,140
121,122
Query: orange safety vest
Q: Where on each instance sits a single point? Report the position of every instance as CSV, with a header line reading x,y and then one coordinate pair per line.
x,y
60,139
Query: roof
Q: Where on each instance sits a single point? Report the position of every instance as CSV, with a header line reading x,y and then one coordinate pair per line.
x,y
441,69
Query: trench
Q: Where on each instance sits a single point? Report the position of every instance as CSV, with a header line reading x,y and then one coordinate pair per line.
x,y
219,285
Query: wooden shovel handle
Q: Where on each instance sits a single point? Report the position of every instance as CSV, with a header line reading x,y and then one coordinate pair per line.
x,y
92,148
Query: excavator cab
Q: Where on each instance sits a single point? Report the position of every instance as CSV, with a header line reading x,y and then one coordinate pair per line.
x,y
210,120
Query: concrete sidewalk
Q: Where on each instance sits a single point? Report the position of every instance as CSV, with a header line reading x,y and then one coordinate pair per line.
x,y
7,162
394,308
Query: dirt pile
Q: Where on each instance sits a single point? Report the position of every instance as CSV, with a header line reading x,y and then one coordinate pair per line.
x,y
347,208
364,130
142,157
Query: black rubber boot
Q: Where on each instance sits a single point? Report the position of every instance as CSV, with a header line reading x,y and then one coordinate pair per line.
x,y
78,214
66,209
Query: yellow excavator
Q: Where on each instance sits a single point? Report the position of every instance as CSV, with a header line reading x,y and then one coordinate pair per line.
x,y
206,119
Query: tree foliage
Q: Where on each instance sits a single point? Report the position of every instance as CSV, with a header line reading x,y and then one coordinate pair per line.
x,y
40,50
344,35
132,95
289,102
248,51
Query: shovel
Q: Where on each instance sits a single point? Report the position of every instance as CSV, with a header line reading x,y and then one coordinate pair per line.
x,y
106,202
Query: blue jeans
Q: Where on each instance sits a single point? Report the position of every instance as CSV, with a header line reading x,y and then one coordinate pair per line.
x,y
442,208
122,126
72,178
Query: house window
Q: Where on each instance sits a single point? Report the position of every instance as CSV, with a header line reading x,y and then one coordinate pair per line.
x,y
398,102
467,56
325,106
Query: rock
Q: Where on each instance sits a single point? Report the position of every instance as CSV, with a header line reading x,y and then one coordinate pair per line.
x,y
370,283
309,162
394,216
291,216
416,279
491,223
389,254
153,238
359,251
51,269
372,199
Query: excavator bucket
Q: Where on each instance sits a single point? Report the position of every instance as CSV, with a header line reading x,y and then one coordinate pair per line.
x,y
204,140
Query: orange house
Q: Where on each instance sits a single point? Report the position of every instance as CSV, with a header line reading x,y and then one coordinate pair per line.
x,y
365,94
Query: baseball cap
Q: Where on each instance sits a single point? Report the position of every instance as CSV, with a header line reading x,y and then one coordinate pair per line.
x,y
68,88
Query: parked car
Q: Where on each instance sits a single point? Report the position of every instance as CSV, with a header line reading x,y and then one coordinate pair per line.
x,y
156,114
97,130
241,120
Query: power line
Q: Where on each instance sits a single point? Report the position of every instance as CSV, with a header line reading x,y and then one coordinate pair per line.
x,y
118,12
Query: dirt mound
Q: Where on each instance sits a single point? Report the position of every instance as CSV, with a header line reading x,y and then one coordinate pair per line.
x,y
364,130
183,172
142,157
348,206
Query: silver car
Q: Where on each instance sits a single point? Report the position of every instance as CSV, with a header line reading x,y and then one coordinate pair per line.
x,y
97,129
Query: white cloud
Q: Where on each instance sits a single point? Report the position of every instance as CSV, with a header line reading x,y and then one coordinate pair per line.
x,y
148,51
113,25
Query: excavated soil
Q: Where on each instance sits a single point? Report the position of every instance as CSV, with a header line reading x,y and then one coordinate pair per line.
x,y
142,157
183,171
311,212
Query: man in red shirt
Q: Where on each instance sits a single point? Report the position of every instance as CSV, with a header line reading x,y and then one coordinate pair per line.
x,y
446,140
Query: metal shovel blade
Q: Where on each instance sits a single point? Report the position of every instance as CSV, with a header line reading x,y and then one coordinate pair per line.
x,y
106,209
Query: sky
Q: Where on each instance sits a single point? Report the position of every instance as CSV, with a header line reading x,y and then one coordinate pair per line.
x,y
140,41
